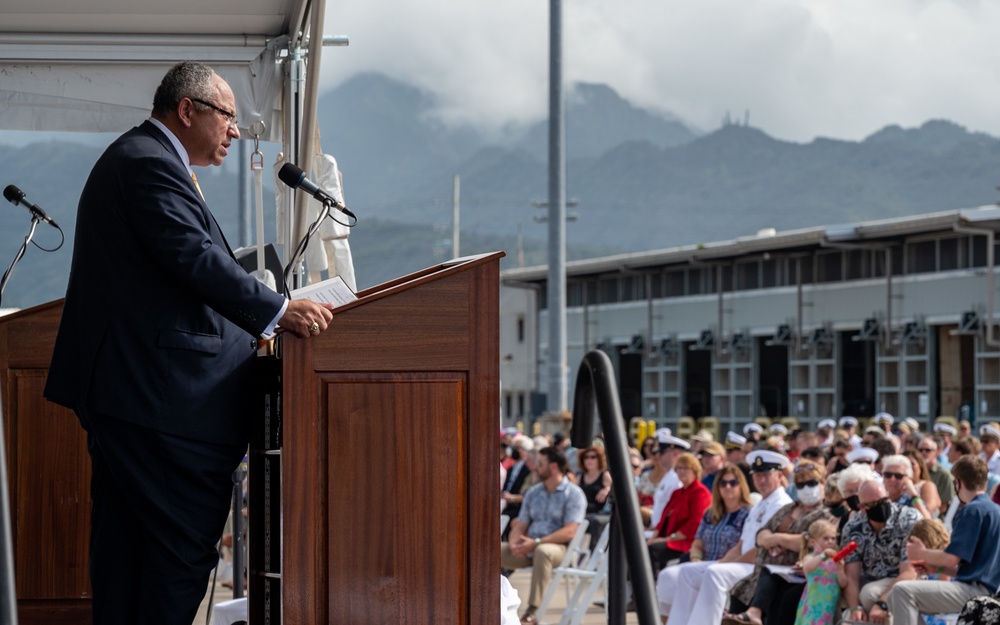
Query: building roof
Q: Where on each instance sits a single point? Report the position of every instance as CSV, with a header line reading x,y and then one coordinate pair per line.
x,y
769,240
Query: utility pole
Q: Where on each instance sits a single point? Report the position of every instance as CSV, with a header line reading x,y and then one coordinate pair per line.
x,y
455,212
558,397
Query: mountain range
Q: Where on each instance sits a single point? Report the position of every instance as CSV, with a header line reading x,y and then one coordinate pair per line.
x,y
642,180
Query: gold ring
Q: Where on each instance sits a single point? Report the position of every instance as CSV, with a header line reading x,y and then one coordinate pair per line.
x,y
314,328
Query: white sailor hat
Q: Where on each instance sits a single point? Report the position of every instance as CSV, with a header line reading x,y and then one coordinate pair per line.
x,y
865,454
762,460
912,423
848,422
827,423
703,436
753,427
946,428
883,417
662,433
777,427
734,440
672,442
989,429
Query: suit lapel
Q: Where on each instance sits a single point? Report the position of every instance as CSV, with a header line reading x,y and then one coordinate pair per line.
x,y
156,133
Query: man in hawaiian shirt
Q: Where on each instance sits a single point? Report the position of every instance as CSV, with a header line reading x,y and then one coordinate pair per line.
x,y
881,530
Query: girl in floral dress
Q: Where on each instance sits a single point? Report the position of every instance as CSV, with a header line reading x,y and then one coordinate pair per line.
x,y
824,578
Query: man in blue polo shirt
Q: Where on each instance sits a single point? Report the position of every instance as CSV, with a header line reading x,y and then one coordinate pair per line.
x,y
972,558
549,517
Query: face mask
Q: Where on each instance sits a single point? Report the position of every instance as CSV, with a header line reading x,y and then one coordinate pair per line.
x,y
809,495
839,510
881,512
853,503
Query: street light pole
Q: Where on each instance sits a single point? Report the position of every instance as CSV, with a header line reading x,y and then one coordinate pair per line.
x,y
557,397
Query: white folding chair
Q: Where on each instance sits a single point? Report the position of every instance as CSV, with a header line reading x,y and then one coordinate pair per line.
x,y
590,582
504,520
577,565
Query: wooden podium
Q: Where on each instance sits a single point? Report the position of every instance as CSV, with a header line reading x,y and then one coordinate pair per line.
x,y
382,437
48,471
376,456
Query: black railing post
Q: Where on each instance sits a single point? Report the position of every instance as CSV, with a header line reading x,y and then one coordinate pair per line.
x,y
595,383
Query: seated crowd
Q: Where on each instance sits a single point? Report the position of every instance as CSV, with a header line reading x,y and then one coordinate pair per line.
x,y
779,527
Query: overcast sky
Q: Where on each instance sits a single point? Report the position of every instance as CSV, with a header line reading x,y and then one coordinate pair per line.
x,y
803,68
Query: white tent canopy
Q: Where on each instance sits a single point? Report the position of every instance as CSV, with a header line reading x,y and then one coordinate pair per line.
x,y
93,65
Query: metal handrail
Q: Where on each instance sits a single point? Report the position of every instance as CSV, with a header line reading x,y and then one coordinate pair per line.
x,y
595,383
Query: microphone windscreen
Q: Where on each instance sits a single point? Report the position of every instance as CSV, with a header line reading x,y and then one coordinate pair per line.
x,y
13,194
291,175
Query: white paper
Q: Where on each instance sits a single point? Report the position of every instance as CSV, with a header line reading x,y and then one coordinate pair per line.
x,y
333,291
785,572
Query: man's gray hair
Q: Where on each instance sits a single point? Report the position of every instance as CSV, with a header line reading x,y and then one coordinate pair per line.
x,y
854,473
184,80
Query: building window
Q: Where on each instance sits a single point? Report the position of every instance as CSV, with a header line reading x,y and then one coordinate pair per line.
x,y
520,405
747,276
921,257
608,291
520,328
829,267
770,273
674,283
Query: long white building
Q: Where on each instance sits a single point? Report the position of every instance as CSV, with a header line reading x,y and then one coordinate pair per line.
x,y
895,315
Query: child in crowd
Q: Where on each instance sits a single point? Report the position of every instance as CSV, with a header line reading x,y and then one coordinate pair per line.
x,y
824,578
932,532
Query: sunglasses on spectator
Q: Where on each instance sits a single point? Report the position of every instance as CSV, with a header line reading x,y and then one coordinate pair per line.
x,y
892,475
732,483
872,504
862,461
926,450
590,457
807,484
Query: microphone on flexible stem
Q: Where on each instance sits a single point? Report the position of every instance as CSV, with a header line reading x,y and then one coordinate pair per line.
x,y
293,176
16,197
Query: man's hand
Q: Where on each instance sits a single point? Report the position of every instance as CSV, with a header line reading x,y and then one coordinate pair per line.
x,y
858,614
877,615
305,318
522,546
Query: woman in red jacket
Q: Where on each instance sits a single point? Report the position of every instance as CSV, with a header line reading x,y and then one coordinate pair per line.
x,y
679,523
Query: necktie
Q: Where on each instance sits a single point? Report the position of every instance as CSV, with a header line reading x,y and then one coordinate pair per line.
x,y
194,179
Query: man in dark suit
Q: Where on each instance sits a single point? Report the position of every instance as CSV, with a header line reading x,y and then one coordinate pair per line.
x,y
154,354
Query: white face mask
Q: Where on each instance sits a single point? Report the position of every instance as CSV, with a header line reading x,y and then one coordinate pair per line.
x,y
809,495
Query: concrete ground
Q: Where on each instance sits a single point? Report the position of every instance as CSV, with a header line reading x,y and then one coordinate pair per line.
x,y
520,580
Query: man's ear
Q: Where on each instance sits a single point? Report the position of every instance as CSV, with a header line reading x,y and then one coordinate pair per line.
x,y
185,110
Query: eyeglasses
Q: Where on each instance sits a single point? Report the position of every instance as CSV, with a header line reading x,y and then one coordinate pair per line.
x,y
731,483
871,504
590,457
862,461
891,475
230,117
807,484
683,468
926,450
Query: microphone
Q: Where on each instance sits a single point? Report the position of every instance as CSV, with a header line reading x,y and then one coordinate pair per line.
x,y
16,196
293,176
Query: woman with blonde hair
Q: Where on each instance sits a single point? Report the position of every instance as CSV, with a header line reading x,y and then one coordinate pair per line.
x,y
719,531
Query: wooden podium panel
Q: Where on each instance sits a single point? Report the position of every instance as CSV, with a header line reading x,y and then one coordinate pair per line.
x,y
389,474
48,472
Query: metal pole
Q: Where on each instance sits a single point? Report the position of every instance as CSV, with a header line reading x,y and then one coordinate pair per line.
x,y
238,564
244,211
8,595
456,186
557,394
